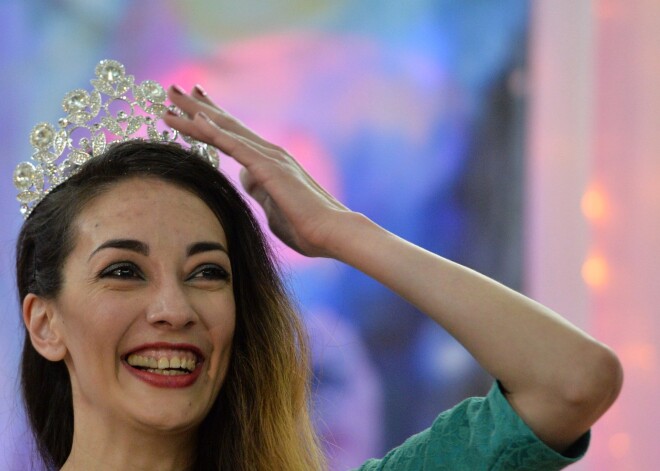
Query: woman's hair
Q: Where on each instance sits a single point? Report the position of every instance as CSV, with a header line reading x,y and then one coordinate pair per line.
x,y
260,420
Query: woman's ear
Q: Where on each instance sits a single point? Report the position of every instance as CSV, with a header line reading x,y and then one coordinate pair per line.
x,y
39,318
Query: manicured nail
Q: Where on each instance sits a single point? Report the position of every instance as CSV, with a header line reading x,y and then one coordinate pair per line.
x,y
178,90
200,91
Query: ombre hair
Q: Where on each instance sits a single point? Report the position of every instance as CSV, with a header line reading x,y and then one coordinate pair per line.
x,y
260,420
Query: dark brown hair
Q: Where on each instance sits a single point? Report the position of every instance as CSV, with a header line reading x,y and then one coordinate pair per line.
x,y
260,418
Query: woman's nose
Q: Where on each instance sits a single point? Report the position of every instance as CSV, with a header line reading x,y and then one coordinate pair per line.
x,y
171,308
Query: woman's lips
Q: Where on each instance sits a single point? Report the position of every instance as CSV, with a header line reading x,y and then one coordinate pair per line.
x,y
165,365
160,380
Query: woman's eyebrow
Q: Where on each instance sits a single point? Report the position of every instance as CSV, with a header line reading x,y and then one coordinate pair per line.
x,y
200,247
127,244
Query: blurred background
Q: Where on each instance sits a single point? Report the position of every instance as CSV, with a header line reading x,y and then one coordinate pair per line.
x,y
518,138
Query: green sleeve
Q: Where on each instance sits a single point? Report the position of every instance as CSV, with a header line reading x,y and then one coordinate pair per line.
x,y
478,434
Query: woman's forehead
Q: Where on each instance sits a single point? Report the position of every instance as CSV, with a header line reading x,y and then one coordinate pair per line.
x,y
149,209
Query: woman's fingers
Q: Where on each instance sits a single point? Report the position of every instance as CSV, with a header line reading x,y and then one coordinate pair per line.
x,y
199,93
198,101
248,152
252,187
202,128
247,180
231,144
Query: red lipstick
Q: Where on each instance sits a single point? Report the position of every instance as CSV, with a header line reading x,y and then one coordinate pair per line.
x,y
166,381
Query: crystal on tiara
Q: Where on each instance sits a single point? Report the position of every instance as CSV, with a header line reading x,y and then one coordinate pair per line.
x,y
57,156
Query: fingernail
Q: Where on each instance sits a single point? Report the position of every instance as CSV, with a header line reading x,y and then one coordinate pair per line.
x,y
200,91
178,90
171,112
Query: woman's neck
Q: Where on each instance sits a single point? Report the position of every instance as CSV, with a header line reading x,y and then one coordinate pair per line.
x,y
112,446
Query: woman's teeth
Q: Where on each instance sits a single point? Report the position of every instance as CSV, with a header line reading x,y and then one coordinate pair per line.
x,y
175,365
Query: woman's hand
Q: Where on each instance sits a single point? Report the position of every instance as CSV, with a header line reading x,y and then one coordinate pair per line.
x,y
299,211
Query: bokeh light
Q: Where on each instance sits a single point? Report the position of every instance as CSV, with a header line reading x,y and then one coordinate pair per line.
x,y
595,271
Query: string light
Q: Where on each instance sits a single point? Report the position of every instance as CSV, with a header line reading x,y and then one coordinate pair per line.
x,y
595,208
595,272
594,204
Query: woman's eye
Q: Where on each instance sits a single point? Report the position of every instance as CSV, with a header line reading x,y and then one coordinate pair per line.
x,y
121,271
209,272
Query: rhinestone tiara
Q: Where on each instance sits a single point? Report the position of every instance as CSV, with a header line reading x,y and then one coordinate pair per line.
x,y
136,114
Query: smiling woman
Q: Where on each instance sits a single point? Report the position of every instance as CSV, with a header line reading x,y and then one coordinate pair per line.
x,y
157,322
135,329
130,290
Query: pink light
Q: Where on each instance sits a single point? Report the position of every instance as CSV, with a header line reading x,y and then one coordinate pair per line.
x,y
619,444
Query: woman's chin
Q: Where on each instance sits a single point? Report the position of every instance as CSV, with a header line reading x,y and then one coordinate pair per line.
x,y
168,422
165,411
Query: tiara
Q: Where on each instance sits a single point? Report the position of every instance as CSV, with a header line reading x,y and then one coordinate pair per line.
x,y
116,110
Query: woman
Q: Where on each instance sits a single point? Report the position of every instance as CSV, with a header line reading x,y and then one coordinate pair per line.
x,y
165,340
99,304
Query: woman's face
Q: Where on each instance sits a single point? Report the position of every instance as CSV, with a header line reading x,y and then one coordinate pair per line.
x,y
146,310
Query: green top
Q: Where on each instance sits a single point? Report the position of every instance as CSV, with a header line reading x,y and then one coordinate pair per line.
x,y
480,433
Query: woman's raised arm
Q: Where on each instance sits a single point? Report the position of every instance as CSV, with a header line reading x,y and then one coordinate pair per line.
x,y
556,377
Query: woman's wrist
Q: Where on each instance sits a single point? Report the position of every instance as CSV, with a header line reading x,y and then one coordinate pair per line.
x,y
353,236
